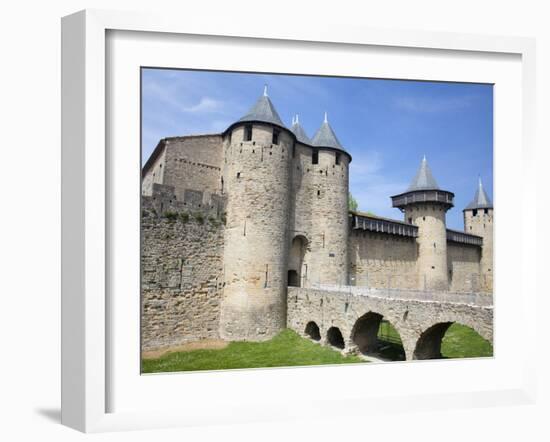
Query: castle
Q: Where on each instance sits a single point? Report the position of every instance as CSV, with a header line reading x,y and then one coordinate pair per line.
x,y
231,220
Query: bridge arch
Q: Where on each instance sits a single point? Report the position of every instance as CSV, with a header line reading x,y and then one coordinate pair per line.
x,y
335,338
366,336
428,345
312,330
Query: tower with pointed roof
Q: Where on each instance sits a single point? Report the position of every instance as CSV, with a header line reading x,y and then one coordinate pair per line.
x,y
256,178
478,220
330,178
425,205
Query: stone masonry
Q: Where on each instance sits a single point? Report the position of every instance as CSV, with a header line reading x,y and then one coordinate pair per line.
x,y
231,220
421,323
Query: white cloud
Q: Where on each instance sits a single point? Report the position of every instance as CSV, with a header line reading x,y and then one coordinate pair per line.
x,y
183,100
206,104
371,187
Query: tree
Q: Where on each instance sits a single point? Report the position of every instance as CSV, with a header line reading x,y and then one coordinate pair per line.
x,y
352,202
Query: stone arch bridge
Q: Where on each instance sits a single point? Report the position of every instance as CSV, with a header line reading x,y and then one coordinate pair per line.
x,y
349,317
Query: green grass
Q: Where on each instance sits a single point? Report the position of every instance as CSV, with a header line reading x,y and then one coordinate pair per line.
x,y
459,342
463,342
284,350
289,349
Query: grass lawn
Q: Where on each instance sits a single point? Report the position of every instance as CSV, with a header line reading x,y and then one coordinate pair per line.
x,y
284,350
463,342
289,349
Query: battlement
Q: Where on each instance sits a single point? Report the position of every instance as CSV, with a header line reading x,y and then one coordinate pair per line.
x,y
164,200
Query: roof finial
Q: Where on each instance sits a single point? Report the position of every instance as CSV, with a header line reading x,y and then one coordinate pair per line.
x,y
480,183
326,117
424,158
297,119
265,90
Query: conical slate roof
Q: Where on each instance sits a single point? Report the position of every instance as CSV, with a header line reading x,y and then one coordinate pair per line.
x,y
299,131
481,200
263,111
424,180
325,137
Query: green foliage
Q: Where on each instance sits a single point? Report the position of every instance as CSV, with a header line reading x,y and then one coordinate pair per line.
x,y
199,217
171,216
352,202
184,217
463,342
284,350
224,218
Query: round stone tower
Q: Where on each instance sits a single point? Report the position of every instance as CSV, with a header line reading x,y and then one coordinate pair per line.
x,y
329,208
256,180
478,220
425,205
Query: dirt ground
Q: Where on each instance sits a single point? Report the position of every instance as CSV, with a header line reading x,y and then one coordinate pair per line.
x,y
206,344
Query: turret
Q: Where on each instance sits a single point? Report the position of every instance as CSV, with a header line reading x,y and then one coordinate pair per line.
x,y
478,220
256,180
329,208
425,205
299,131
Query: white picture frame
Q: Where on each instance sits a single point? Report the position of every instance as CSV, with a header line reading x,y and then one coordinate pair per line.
x,y
87,213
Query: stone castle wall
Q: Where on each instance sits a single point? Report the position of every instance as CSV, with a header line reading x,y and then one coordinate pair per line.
x,y
182,272
155,173
464,267
191,162
203,279
381,260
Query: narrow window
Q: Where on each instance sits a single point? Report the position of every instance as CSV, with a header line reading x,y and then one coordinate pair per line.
x,y
485,211
337,158
315,157
276,133
238,174
248,132
410,220
475,212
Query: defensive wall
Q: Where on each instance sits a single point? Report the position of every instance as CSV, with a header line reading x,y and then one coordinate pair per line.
x,y
181,269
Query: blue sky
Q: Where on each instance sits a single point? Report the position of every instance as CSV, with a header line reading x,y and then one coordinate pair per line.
x,y
386,125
